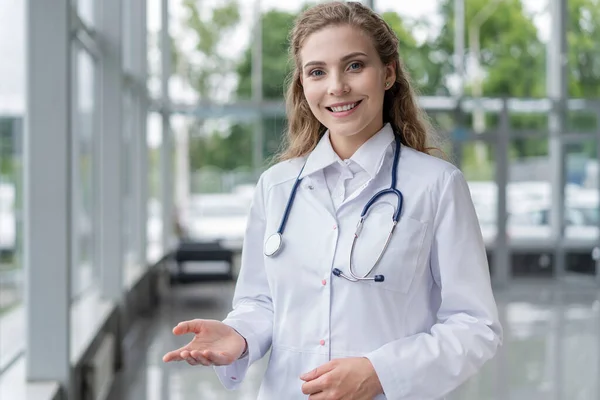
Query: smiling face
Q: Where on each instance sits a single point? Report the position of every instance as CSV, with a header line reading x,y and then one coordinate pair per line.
x,y
344,82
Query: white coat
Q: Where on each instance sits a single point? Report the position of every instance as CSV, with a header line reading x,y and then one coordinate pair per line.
x,y
427,328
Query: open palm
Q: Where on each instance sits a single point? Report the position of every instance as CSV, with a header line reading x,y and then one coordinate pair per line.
x,y
214,343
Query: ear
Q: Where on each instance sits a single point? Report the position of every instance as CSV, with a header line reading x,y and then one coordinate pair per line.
x,y
390,72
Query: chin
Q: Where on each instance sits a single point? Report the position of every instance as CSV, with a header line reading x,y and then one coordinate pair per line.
x,y
345,129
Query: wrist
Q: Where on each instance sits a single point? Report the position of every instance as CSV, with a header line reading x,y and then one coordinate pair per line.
x,y
245,352
374,378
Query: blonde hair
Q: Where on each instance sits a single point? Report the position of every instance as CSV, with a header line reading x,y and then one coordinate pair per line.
x,y
399,105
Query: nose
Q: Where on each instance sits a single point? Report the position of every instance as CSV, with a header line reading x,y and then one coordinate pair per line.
x,y
337,85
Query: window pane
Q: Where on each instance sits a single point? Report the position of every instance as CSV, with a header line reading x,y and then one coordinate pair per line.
x,y
84,190
154,222
128,211
154,51
222,179
581,206
12,113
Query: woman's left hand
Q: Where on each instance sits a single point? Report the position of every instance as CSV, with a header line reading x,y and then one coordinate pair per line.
x,y
342,379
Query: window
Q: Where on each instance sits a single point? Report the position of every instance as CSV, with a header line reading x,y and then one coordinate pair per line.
x,y
83,168
154,222
12,113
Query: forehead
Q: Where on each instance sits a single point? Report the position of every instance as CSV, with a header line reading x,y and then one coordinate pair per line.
x,y
333,42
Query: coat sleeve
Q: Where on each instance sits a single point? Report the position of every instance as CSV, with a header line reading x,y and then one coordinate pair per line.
x,y
430,365
252,314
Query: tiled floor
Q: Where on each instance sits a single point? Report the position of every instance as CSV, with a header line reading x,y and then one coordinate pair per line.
x,y
551,350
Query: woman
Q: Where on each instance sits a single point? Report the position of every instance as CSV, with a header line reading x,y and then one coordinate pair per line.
x,y
425,319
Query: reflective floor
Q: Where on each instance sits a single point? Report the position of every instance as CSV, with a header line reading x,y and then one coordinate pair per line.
x,y
551,350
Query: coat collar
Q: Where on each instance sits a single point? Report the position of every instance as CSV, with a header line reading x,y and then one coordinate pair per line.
x,y
369,156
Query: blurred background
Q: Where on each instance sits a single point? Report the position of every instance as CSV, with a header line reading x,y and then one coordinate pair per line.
x,y
133,132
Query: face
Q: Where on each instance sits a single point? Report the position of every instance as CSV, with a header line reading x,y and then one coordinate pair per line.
x,y
344,81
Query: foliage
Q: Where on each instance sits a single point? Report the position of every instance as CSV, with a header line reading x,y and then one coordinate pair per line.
x,y
512,56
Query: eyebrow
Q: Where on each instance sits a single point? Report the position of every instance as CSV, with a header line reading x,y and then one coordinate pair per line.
x,y
345,58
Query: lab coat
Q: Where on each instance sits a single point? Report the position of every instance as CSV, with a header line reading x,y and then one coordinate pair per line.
x,y
430,325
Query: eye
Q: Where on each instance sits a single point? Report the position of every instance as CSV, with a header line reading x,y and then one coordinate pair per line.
x,y
355,66
316,73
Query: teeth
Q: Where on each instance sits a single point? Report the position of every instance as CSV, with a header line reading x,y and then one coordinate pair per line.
x,y
344,108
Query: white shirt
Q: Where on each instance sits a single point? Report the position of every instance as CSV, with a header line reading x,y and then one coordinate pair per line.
x,y
428,327
343,177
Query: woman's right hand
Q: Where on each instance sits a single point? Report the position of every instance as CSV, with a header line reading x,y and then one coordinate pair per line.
x,y
214,343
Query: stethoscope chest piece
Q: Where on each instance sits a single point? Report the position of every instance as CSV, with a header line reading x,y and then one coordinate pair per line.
x,y
273,244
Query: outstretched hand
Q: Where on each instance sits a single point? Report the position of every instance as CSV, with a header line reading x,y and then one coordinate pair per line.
x,y
214,343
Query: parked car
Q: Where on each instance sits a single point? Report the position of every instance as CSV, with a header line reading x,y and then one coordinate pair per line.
x,y
217,217
529,208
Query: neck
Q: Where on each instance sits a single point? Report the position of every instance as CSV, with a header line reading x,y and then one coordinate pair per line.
x,y
346,146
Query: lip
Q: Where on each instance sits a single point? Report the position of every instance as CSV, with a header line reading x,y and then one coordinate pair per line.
x,y
343,114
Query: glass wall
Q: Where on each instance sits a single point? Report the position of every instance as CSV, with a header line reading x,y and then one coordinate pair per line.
x,y
127,184
154,223
12,113
85,132
154,226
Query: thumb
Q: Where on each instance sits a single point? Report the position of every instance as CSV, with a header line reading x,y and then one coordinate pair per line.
x,y
317,372
193,326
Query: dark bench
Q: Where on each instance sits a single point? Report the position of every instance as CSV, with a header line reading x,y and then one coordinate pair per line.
x,y
190,251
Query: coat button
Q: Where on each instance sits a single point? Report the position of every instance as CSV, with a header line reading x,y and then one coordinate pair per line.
x,y
334,227
233,378
324,282
322,342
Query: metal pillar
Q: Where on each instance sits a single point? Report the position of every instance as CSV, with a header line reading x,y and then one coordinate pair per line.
x,y
111,95
501,267
47,191
141,10
257,89
139,196
166,150
459,44
557,92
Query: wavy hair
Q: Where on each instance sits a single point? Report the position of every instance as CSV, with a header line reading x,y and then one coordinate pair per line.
x,y
399,106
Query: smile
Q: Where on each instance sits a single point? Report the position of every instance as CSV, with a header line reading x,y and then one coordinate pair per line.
x,y
345,109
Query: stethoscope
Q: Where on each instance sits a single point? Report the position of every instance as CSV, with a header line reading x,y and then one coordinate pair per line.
x,y
274,243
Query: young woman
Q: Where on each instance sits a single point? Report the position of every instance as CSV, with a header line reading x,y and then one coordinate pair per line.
x,y
399,306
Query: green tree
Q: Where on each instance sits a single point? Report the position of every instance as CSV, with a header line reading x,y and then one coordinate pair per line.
x,y
276,67
511,52
426,75
206,71
209,30
583,41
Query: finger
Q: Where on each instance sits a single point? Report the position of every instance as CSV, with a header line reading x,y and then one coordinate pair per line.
x,y
193,326
317,372
217,358
196,355
192,361
318,396
174,355
316,385
185,354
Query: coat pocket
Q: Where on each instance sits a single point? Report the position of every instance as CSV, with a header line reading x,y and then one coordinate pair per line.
x,y
399,261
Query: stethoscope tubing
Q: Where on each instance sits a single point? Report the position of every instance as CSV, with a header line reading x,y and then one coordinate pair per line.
x,y
396,217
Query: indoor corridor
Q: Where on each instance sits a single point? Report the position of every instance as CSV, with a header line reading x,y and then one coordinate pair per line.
x,y
551,347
